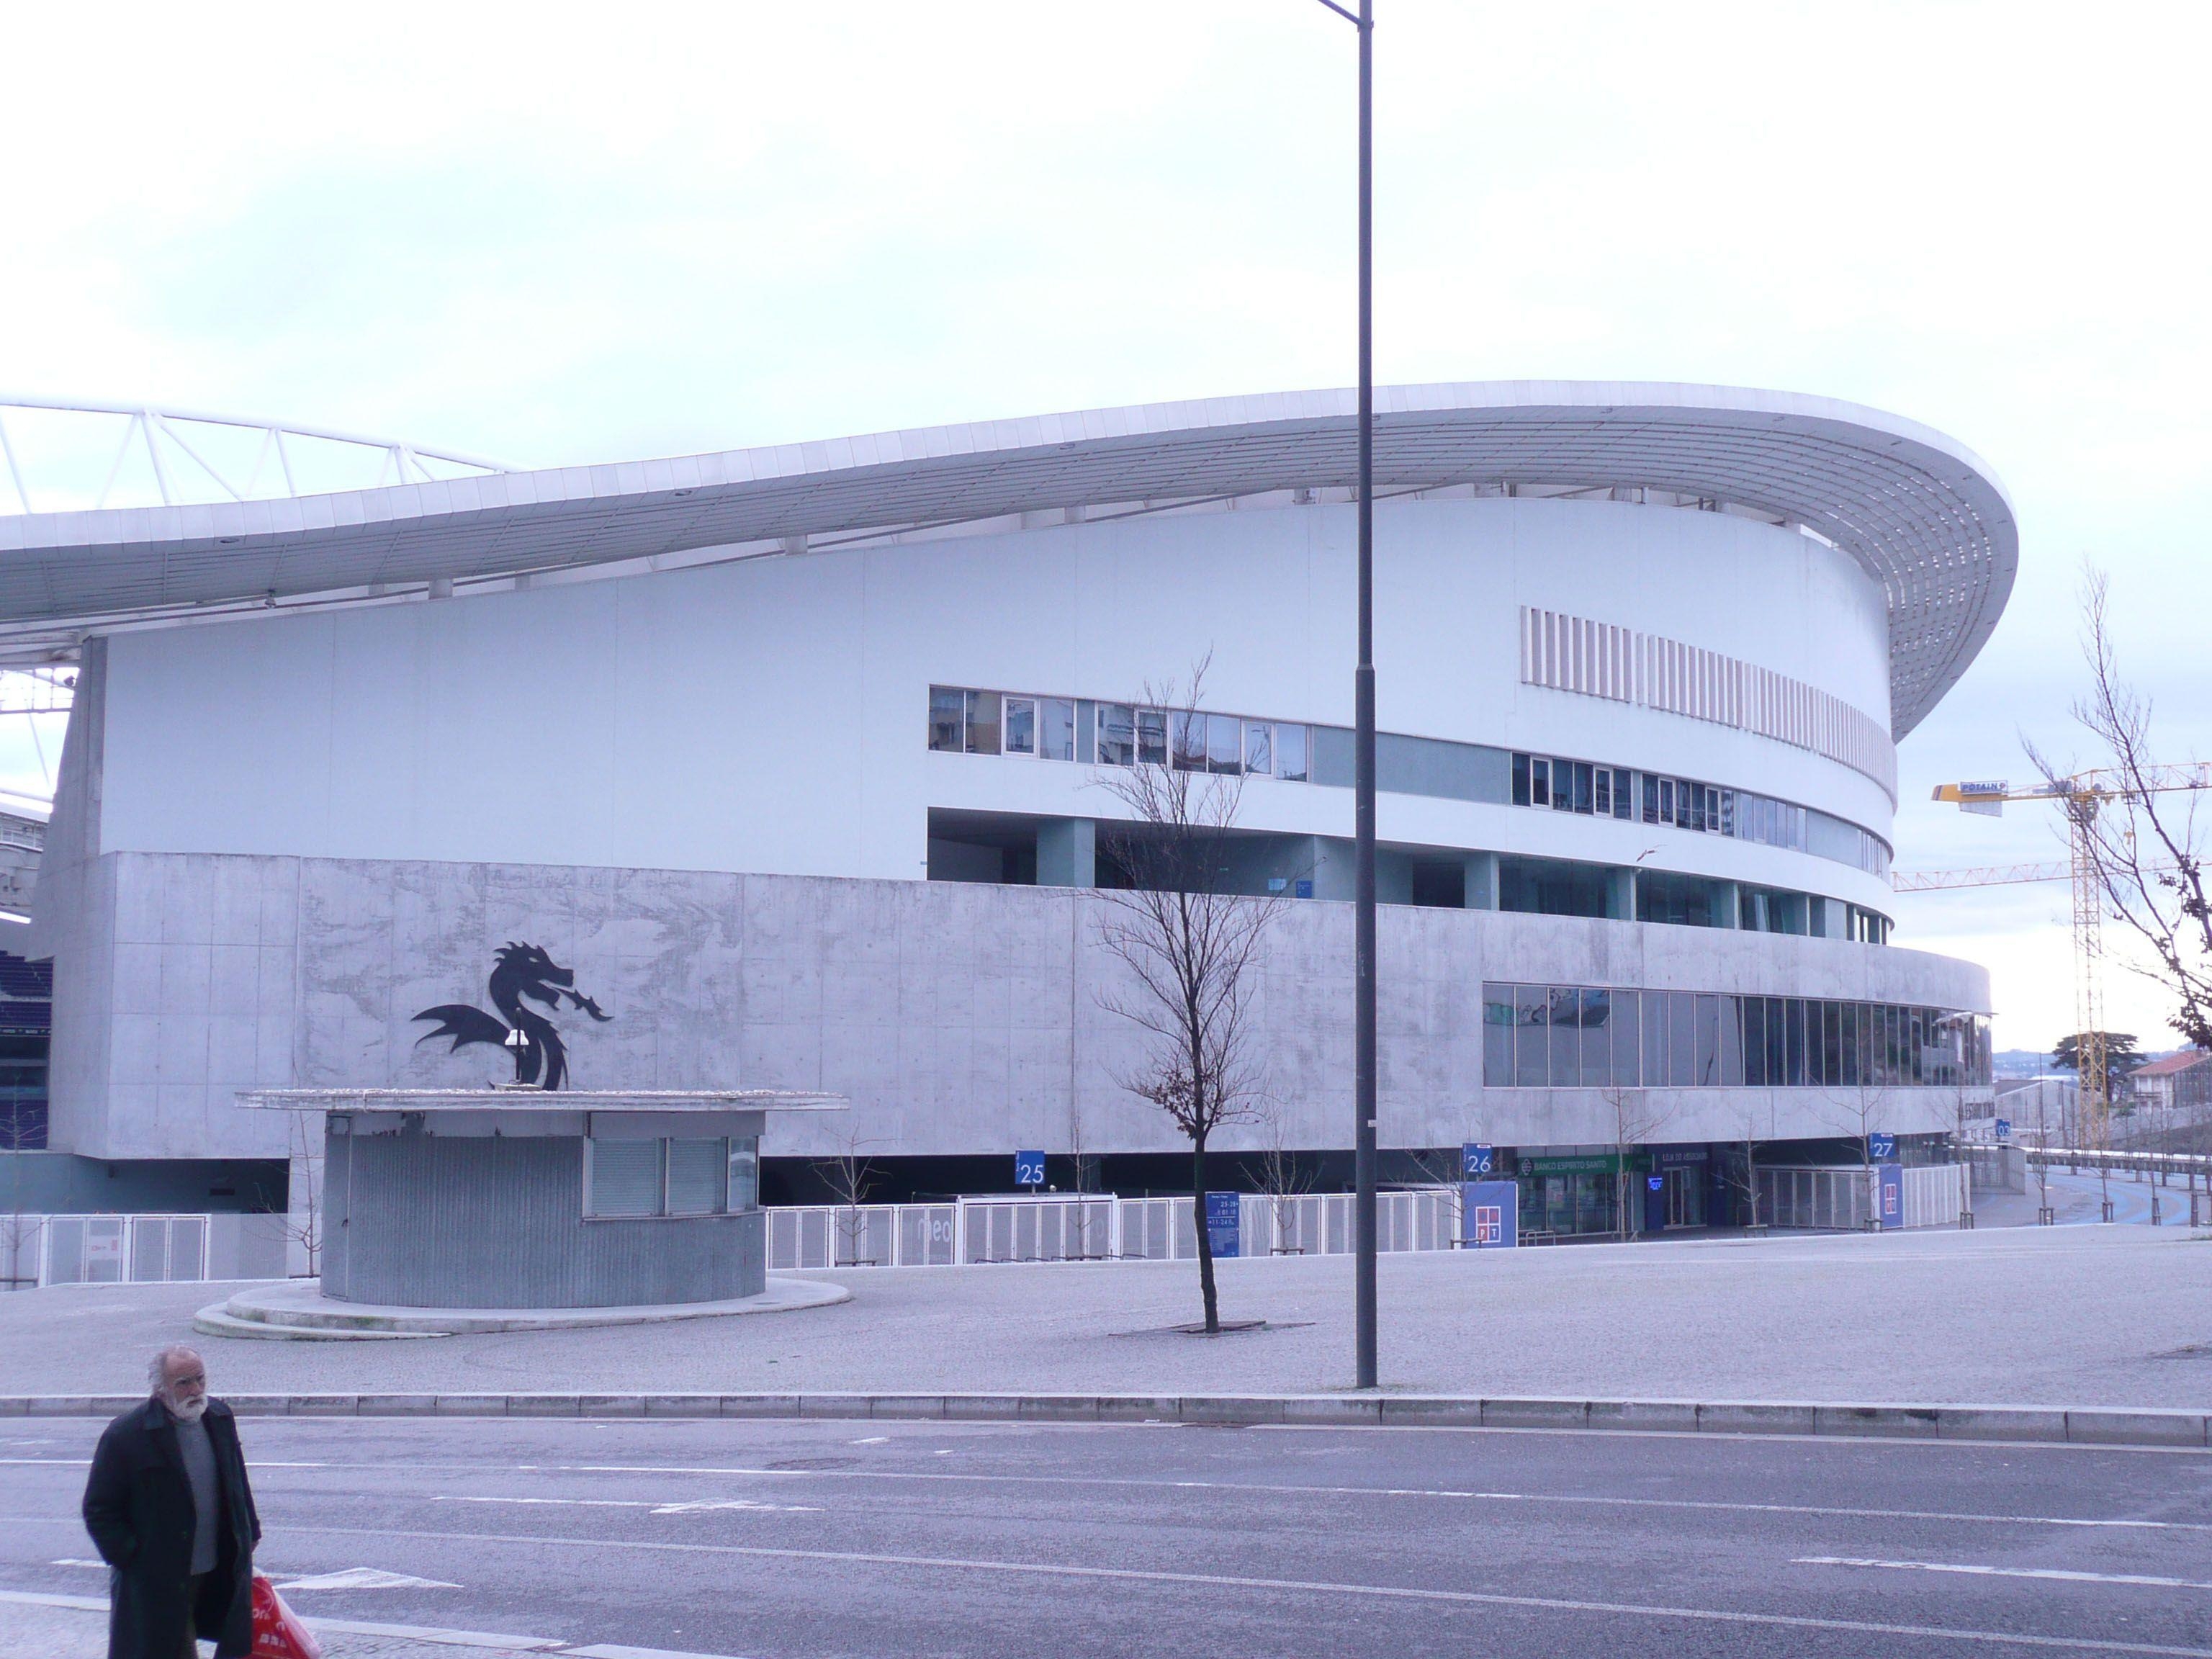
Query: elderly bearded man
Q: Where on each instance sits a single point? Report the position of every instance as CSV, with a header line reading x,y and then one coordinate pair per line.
x,y
169,1506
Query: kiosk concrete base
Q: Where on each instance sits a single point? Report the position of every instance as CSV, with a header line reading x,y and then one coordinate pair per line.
x,y
296,1310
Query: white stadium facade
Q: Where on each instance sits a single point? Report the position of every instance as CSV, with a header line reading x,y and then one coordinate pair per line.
x,y
794,762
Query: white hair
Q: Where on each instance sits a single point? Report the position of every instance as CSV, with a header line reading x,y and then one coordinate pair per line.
x,y
157,1368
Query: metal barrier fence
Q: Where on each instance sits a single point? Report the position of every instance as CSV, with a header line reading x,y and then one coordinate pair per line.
x,y
1826,1198
1090,1227
103,1250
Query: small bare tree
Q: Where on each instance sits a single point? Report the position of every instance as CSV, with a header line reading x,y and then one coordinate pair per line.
x,y
303,1222
1746,1180
1283,1178
1635,1122
1190,944
850,1176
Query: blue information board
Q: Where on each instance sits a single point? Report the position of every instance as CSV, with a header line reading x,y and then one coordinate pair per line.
x,y
1881,1147
1224,1223
1476,1159
1029,1168
2004,1129
1893,1195
1490,1214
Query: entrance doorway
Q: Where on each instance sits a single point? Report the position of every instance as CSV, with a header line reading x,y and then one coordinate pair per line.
x,y
1685,1195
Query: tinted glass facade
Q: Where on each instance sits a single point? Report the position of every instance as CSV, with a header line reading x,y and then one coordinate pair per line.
x,y
1585,1036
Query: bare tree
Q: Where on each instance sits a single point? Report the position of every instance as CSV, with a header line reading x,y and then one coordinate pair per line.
x,y
1635,1121
303,1221
1855,1114
1746,1182
2138,825
1283,1178
850,1176
1189,944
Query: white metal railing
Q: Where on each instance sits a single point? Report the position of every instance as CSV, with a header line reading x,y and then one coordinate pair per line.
x,y
102,1249
1090,1227
1829,1197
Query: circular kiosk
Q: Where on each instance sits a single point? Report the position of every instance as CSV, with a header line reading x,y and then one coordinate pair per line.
x,y
516,1199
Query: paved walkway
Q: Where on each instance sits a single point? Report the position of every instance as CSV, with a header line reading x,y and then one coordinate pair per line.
x,y
2081,1315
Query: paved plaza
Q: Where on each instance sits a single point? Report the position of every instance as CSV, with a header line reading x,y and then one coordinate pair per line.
x,y
2070,1315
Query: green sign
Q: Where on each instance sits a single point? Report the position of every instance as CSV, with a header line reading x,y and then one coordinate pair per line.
x,y
1585,1164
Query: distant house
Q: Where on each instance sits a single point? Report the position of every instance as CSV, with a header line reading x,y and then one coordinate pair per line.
x,y
2183,1080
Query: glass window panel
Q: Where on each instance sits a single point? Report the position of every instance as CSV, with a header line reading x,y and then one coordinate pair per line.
x,y
1754,1042
1567,1070
1655,1040
1290,753
1583,786
1520,780
1709,1043
1189,730
1539,782
1152,736
1021,725
1532,1014
1794,1060
948,719
1597,1036
1732,1043
1498,1037
1849,1012
698,1173
1563,786
1666,800
1777,1068
1650,798
1260,749
625,1178
1626,1039
1225,743
1056,728
1727,813
1117,734
1624,785
1601,790
745,1172
982,722
1681,1039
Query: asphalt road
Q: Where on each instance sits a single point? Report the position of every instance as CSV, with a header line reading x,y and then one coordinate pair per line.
x,y
802,1541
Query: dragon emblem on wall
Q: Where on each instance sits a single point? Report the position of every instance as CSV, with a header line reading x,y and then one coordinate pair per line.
x,y
521,974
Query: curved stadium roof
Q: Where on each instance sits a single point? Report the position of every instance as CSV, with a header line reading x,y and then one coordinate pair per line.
x,y
1921,514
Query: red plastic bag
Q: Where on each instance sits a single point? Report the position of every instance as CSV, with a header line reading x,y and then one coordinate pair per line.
x,y
278,1632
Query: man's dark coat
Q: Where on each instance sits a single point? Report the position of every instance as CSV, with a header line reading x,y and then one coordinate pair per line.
x,y
138,1509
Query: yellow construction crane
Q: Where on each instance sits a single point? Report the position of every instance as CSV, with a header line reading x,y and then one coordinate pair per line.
x,y
2081,797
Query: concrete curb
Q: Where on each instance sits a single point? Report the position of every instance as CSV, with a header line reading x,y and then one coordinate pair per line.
x,y
2086,1426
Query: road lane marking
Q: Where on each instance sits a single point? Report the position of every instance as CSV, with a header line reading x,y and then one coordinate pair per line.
x,y
1717,1504
2061,1574
362,1578
250,1463
691,1506
552,1645
1305,1587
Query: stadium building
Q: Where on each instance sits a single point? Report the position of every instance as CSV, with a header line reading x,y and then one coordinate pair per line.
x,y
786,768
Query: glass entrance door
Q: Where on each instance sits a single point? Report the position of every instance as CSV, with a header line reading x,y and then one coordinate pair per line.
x,y
1685,1195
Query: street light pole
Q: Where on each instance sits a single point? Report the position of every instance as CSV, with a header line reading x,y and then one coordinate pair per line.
x,y
1363,692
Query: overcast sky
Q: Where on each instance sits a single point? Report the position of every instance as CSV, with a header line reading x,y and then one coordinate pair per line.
x,y
579,234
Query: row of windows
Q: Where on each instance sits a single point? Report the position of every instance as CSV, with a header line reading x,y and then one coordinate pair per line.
x,y
1572,786
964,721
1583,1037
705,1176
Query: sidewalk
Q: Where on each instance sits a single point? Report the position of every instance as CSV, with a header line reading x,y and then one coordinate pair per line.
x,y
2065,1317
